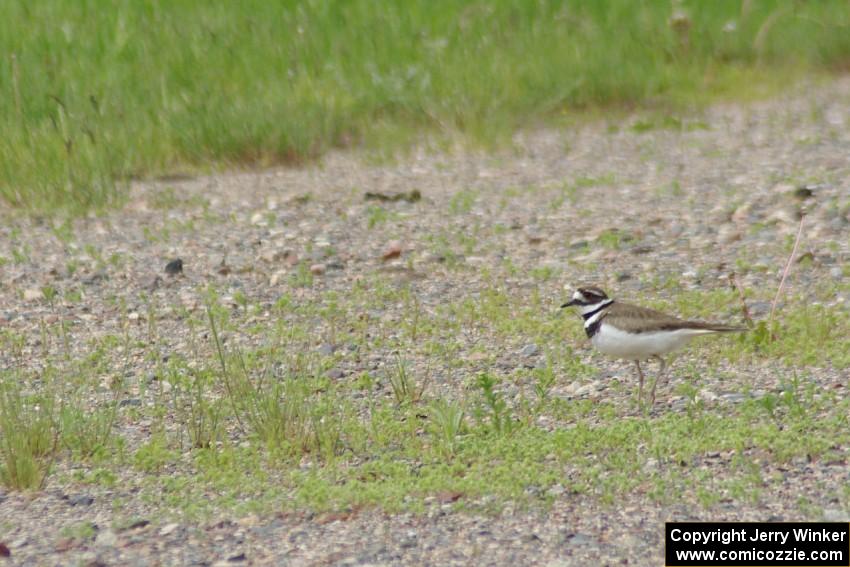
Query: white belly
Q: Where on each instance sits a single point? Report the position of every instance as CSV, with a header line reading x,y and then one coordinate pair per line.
x,y
619,344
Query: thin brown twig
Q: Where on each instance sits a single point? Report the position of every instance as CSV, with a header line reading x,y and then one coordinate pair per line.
x,y
785,275
744,309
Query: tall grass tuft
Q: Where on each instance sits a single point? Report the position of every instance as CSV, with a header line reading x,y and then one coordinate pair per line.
x,y
94,94
28,437
289,410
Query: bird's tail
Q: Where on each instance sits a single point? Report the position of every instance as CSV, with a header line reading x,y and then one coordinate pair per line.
x,y
716,328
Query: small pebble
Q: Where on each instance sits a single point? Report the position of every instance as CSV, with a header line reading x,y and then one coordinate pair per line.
x,y
393,250
32,294
174,267
529,350
326,349
168,529
835,515
106,538
81,500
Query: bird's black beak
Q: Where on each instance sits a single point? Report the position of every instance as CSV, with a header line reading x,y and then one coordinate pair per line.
x,y
569,303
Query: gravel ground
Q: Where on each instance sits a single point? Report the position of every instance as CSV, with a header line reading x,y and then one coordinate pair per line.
x,y
681,204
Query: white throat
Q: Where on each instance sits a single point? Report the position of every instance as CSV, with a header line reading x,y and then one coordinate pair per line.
x,y
592,313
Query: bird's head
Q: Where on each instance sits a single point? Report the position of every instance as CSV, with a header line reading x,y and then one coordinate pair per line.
x,y
584,296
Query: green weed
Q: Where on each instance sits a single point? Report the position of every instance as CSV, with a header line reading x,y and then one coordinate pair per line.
x,y
290,411
87,433
28,436
462,202
376,215
405,390
494,409
447,422
153,456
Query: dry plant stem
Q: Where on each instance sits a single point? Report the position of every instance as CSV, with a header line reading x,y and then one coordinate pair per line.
x,y
744,309
785,275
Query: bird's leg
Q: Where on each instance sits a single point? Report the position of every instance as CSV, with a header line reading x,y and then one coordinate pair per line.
x,y
640,383
661,371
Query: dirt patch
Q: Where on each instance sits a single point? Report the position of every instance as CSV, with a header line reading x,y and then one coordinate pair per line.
x,y
650,213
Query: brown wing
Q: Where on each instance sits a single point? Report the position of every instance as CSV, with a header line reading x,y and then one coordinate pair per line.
x,y
640,319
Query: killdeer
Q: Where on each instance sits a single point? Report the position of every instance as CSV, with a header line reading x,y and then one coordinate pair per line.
x,y
636,333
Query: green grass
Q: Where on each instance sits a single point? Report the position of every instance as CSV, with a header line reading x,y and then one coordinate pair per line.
x,y
803,335
486,469
27,436
263,428
96,92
